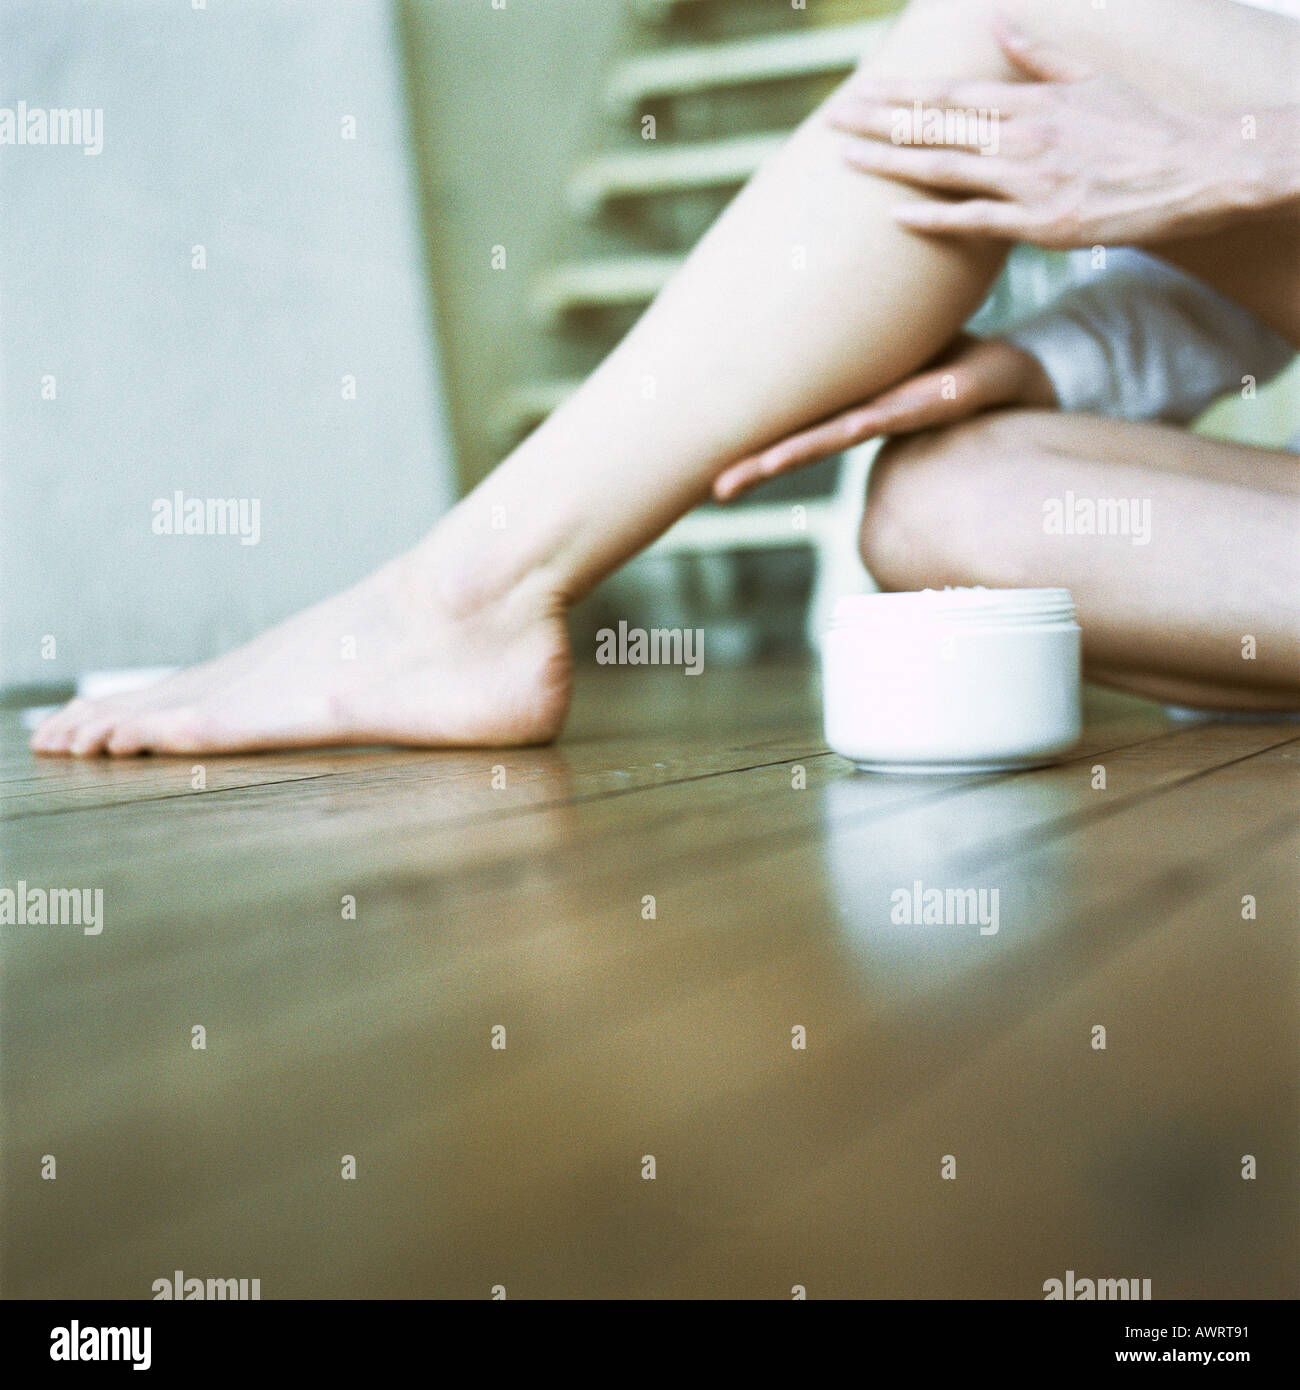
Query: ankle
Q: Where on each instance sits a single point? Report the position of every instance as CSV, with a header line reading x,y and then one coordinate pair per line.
x,y
471,579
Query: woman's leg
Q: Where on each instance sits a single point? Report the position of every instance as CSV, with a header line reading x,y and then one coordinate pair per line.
x,y
805,296
1182,552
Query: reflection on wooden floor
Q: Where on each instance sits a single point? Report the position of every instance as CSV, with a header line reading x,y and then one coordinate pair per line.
x,y
511,890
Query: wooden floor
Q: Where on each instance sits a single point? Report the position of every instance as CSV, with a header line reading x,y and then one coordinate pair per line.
x,y
522,906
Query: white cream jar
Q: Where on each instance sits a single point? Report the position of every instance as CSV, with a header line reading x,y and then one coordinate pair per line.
x,y
952,680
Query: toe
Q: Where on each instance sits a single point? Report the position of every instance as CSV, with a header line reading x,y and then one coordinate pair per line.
x,y
126,739
89,736
183,730
55,733
40,739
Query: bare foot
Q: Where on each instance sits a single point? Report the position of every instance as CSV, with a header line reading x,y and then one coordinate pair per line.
x,y
384,662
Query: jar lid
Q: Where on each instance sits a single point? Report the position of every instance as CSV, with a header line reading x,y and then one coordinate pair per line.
x,y
1015,607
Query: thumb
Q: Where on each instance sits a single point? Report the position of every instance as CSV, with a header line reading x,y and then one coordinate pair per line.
x,y
1035,58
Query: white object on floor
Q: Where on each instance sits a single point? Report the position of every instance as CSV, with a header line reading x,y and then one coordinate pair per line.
x,y
952,680
97,685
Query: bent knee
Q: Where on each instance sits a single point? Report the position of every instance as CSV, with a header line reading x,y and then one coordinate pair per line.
x,y
935,502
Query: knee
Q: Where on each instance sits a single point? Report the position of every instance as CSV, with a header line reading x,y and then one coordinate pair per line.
x,y
936,503
910,479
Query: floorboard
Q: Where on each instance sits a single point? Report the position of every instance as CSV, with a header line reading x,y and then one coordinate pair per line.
x,y
510,888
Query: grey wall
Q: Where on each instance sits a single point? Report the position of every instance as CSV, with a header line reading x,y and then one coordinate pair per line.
x,y
222,127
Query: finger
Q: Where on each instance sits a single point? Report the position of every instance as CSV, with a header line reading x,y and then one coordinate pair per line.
x,y
932,168
1035,58
870,119
809,446
914,404
793,452
931,94
832,436
947,395
965,128
738,478
921,404
971,216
